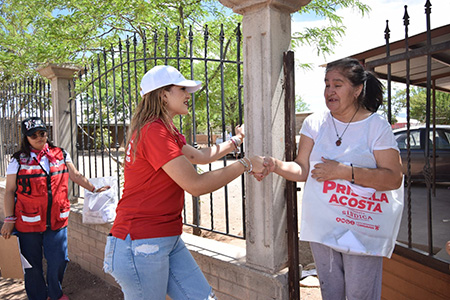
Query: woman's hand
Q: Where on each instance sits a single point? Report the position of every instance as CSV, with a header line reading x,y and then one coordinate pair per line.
x,y
239,130
269,167
328,170
102,189
257,164
7,228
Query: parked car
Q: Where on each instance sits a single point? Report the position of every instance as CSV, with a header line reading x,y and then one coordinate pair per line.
x,y
417,147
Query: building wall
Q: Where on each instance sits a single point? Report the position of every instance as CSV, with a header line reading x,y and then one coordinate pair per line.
x,y
404,279
299,118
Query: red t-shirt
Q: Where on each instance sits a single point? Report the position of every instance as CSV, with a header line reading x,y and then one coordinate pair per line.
x,y
152,202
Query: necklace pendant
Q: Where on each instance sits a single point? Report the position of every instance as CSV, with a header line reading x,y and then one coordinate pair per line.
x,y
338,142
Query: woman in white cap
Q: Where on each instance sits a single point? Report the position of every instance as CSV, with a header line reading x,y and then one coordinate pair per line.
x,y
144,251
36,205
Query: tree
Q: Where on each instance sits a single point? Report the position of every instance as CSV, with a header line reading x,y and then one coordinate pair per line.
x,y
300,105
61,31
397,104
418,98
66,31
38,32
324,39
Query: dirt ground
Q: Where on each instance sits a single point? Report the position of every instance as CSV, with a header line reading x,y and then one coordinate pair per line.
x,y
81,285
78,284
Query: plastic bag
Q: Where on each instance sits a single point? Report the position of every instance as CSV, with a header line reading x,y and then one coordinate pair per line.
x,y
100,208
334,214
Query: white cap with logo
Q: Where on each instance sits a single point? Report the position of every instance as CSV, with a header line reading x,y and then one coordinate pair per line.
x,y
160,76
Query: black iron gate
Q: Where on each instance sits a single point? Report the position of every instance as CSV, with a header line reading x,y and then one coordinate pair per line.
x,y
418,61
105,93
19,100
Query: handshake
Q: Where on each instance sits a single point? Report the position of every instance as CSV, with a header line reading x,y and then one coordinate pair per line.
x,y
261,166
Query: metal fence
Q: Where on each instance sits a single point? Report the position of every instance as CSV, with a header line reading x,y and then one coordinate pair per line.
x,y
18,100
105,93
423,232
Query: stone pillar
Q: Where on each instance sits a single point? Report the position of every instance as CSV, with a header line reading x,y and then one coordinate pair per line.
x,y
64,127
266,32
59,77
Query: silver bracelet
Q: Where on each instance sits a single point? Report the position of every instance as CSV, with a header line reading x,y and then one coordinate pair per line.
x,y
236,141
248,167
250,163
244,163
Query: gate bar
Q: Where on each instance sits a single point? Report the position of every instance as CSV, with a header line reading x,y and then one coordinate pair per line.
x,y
291,186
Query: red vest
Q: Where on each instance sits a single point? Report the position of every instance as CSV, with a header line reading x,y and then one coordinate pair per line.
x,y
41,197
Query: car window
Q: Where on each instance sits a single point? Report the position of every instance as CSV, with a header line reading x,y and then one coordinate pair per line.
x,y
442,139
401,139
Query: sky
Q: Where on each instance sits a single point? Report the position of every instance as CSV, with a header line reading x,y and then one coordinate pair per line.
x,y
362,33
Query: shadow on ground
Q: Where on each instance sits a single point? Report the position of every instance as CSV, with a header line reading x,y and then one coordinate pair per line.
x,y
78,284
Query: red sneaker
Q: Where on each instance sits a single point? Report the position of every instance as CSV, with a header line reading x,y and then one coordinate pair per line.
x,y
64,297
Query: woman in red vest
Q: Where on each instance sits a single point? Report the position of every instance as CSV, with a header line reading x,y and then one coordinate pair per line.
x,y
37,205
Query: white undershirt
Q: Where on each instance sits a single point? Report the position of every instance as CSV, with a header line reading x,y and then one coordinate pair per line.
x,y
13,166
359,141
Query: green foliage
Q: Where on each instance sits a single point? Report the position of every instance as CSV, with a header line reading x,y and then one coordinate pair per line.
x,y
87,32
300,105
38,32
397,104
325,38
418,98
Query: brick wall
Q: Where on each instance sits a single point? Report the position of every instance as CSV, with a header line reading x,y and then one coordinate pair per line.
x,y
223,264
226,270
86,243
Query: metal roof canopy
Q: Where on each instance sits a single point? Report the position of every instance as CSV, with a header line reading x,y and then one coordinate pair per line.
x,y
376,59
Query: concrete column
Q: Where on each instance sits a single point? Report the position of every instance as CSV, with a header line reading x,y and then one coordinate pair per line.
x,y
266,35
59,77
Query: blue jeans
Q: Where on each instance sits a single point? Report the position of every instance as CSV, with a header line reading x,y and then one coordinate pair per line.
x,y
152,268
53,244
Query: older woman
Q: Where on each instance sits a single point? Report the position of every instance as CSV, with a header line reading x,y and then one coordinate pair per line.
x,y
348,142
37,205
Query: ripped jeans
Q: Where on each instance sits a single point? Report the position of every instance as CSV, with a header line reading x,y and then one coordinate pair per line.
x,y
152,268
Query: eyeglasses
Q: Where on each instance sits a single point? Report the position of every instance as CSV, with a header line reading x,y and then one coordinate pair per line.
x,y
38,134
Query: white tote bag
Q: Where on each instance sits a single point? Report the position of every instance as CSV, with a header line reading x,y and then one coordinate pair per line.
x,y
338,216
100,208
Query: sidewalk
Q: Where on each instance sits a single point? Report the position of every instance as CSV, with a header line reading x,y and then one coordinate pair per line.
x,y
81,285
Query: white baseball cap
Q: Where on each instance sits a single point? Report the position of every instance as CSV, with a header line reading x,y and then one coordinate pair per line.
x,y
160,76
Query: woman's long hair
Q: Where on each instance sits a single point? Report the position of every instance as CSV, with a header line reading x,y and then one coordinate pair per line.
x,y
151,108
25,147
371,96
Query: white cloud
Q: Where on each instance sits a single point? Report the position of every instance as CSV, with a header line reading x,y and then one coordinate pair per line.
x,y
363,33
